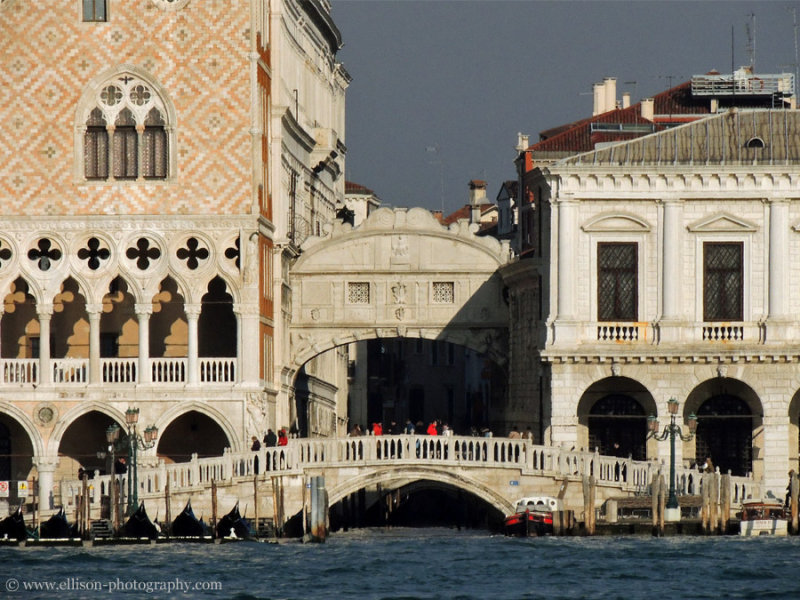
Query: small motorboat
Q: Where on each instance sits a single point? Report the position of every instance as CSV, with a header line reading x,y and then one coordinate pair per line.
x,y
139,525
187,524
57,527
13,526
766,517
533,516
233,526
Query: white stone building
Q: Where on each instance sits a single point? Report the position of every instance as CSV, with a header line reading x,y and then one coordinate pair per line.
x,y
665,269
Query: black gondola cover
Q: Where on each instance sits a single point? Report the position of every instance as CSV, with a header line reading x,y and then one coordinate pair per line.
x,y
187,524
139,525
13,526
57,527
233,523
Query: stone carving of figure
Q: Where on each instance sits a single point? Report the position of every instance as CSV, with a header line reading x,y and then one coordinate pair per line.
x,y
399,293
251,260
400,246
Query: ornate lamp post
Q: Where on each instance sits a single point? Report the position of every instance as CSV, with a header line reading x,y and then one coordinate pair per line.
x,y
671,431
136,442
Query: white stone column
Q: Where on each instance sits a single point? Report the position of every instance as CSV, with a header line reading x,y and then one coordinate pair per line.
x,y
778,285
192,316
45,313
566,273
248,348
94,312
671,258
776,451
143,312
46,467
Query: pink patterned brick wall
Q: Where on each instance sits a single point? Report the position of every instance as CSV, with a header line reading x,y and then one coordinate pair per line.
x,y
199,55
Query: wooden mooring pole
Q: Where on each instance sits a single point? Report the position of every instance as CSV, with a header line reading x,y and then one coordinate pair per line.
x,y
794,488
168,523
725,502
255,502
214,508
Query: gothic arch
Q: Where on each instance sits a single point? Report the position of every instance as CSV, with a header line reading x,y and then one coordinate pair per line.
x,y
178,410
153,97
84,408
27,425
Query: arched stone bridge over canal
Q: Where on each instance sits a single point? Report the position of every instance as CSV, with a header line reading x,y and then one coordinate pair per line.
x,y
496,471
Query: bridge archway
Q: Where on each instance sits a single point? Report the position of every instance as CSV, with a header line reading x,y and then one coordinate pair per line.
x,y
403,475
399,274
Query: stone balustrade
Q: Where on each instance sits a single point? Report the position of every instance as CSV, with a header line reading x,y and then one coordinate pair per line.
x,y
627,475
75,371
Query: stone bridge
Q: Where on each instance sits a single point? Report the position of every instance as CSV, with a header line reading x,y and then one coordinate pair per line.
x,y
497,471
400,273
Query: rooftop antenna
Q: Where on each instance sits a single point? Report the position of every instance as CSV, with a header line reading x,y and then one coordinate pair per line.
x,y
750,29
434,149
796,61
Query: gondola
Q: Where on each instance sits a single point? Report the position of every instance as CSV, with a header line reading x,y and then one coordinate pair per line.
x,y
13,526
187,524
57,527
139,525
233,525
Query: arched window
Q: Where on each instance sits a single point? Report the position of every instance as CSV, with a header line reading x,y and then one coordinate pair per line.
x,y
126,131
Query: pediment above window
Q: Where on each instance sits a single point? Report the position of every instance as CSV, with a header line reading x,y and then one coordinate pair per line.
x,y
617,221
723,222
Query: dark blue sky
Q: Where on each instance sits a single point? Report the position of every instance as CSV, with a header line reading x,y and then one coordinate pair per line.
x,y
465,76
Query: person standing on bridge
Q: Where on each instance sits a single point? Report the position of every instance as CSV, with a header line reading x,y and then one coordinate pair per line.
x,y
432,429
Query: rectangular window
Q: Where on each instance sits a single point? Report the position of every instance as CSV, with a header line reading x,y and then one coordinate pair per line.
x,y
723,281
94,10
358,293
617,282
443,292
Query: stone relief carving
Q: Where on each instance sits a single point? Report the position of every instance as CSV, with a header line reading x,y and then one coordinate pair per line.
x,y
399,293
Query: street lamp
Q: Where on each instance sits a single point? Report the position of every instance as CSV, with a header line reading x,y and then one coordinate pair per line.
x,y
112,437
671,431
136,442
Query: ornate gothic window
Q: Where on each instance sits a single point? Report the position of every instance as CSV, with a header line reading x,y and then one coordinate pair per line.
x,y
126,131
617,282
723,287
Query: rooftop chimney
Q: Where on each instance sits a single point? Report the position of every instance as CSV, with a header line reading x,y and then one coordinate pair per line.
x,y
599,99
522,142
626,100
647,109
610,84
477,197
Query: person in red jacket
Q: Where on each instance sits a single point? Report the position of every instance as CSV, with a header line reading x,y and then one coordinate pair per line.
x,y
282,437
377,429
432,429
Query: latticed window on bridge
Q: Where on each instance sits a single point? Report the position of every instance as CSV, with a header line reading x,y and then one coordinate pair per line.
x,y
617,281
443,292
358,292
722,281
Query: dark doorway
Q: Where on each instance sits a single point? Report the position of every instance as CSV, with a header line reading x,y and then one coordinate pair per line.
x,y
618,427
725,434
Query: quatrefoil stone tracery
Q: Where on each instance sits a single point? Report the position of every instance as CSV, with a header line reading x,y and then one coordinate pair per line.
x,y
93,254
44,254
193,253
234,253
143,253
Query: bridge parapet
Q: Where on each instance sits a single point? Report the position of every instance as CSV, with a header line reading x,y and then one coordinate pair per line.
x,y
373,454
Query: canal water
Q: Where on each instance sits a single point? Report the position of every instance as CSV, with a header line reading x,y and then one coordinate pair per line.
x,y
415,564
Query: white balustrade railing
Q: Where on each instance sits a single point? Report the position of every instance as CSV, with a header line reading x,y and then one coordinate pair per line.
x,y
218,370
25,371
448,451
119,370
70,370
168,370
19,370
